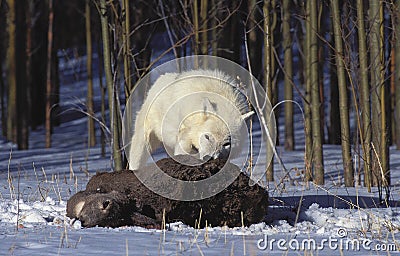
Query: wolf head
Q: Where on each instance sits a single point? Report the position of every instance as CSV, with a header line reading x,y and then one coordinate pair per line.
x,y
205,135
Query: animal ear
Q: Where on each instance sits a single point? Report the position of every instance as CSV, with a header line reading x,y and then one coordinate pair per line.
x,y
247,115
208,106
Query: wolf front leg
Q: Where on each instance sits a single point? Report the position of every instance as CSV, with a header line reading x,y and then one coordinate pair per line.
x,y
139,150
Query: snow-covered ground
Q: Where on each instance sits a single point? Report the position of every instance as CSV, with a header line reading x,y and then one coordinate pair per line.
x,y
303,218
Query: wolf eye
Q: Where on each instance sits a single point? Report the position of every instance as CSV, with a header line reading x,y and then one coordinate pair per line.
x,y
207,136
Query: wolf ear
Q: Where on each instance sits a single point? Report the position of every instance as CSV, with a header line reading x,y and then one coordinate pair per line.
x,y
208,106
247,115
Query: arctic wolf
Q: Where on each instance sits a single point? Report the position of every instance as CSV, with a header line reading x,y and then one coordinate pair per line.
x,y
195,112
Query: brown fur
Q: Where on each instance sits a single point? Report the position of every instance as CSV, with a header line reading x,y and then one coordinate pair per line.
x,y
119,198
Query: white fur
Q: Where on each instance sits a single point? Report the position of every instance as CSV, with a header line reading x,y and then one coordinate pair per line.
x,y
190,113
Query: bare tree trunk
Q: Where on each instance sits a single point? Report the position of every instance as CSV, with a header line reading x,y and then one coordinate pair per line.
x,y
268,48
103,102
89,53
39,68
11,74
3,18
230,43
2,104
334,121
307,101
29,11
364,99
321,12
196,27
288,74
251,30
315,97
49,88
21,72
392,89
375,90
379,129
113,107
55,80
141,38
126,47
17,116
334,124
396,13
385,100
254,42
214,43
274,71
204,19
343,103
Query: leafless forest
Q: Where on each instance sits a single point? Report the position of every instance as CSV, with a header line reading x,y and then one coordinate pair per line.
x,y
350,47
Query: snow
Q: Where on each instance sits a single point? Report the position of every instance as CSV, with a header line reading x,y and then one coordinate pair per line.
x,y
36,183
324,213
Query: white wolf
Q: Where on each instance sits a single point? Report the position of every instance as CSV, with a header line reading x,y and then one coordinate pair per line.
x,y
194,112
